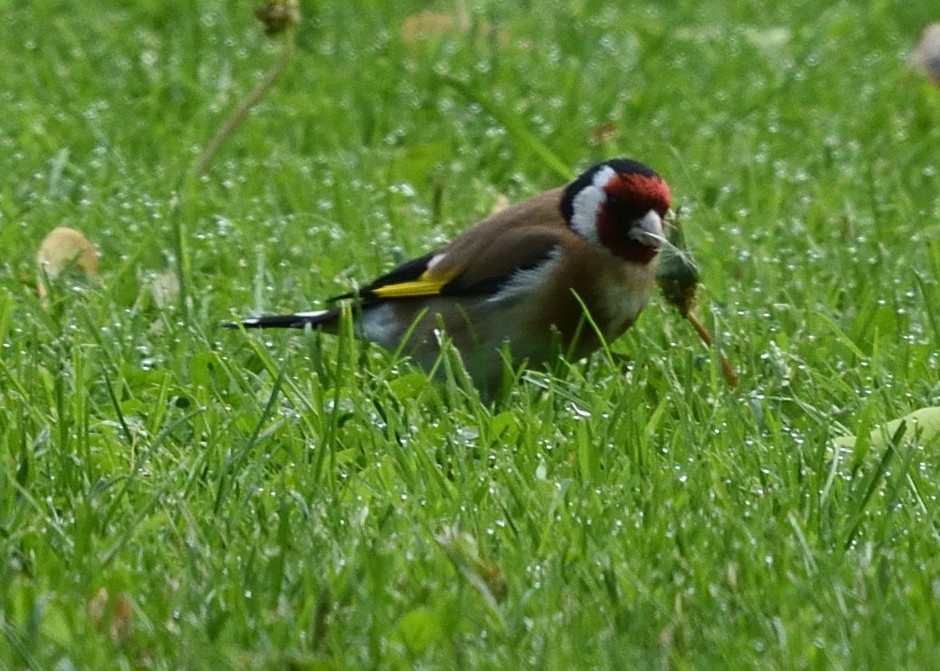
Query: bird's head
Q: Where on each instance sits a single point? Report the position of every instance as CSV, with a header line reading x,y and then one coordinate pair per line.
x,y
620,206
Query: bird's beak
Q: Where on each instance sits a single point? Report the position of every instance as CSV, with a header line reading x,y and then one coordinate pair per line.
x,y
648,230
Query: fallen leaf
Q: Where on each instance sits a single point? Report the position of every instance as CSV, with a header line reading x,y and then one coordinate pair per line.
x,y
770,40
121,620
165,287
96,607
430,24
923,425
482,572
65,249
500,204
606,132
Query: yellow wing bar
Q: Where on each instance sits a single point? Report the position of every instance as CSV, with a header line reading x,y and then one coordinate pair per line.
x,y
423,286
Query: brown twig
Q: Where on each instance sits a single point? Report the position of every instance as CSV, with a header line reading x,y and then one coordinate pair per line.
x,y
280,17
731,377
239,113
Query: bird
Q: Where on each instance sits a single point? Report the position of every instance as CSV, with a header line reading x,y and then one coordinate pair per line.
x,y
555,275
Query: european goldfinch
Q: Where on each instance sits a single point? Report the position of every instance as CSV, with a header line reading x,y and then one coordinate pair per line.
x,y
522,282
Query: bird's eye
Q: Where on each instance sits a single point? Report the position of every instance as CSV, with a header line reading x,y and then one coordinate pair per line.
x,y
622,209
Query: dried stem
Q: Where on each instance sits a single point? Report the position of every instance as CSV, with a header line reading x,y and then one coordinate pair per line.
x,y
238,115
731,377
279,18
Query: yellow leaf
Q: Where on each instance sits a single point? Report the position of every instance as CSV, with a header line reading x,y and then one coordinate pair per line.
x,y
430,24
65,249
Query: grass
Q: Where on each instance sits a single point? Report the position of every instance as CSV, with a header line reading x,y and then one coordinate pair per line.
x,y
286,501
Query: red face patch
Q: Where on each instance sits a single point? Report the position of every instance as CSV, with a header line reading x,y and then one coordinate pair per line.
x,y
629,197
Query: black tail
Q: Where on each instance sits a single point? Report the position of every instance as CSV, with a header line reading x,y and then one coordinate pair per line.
x,y
295,321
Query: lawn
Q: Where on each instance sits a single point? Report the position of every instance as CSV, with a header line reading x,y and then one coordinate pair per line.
x,y
176,495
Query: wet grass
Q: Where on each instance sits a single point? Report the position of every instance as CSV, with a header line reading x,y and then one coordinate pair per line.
x,y
173,495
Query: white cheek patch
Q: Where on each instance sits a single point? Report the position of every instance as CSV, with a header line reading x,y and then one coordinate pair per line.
x,y
587,204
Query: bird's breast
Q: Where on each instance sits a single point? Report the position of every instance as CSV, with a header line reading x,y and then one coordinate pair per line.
x,y
622,295
612,291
